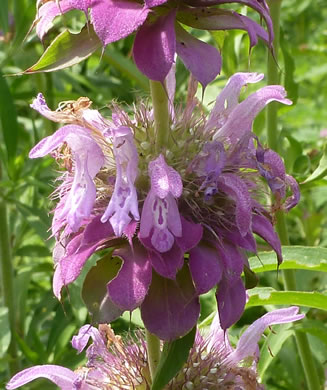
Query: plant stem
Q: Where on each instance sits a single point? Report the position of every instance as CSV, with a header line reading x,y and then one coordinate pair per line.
x,y
7,279
272,136
273,75
161,114
153,348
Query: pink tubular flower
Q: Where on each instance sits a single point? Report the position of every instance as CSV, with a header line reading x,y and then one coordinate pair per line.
x,y
159,33
200,205
123,365
160,217
87,158
124,198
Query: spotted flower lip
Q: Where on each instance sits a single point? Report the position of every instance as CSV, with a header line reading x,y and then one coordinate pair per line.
x,y
124,198
160,217
159,34
221,365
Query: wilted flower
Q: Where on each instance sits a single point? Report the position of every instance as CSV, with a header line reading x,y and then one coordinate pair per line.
x,y
213,364
159,34
200,201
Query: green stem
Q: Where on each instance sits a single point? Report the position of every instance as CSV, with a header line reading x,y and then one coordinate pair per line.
x,y
272,136
7,279
153,348
161,114
273,75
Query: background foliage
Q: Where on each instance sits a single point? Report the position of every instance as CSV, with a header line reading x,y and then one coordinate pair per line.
x,y
44,326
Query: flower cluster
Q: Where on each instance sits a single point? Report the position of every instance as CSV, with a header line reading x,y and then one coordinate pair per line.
x,y
212,364
159,33
178,223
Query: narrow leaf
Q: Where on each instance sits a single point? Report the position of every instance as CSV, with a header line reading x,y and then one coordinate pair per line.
x,y
295,257
320,171
272,346
4,25
8,119
268,296
66,50
5,335
173,358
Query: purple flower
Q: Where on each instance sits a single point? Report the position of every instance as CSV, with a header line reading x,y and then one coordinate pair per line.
x,y
200,203
160,216
85,158
124,198
159,34
123,364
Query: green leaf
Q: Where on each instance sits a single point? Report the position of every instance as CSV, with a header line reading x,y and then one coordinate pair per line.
x,y
8,119
173,358
4,25
30,355
66,50
290,85
125,66
272,346
320,171
268,296
5,335
33,251
313,327
295,257
94,292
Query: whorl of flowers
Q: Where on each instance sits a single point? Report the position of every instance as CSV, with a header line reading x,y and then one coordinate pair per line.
x,y
117,364
159,33
179,223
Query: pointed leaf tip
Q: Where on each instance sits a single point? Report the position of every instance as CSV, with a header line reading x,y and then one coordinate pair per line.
x,y
66,50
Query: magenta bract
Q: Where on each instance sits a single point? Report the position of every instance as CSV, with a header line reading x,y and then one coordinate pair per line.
x,y
158,33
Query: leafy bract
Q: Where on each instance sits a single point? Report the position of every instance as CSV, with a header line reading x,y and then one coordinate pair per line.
x,y
66,50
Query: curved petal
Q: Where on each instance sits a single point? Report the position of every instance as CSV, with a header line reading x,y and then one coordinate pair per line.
x,y
123,201
272,168
171,308
47,12
164,179
155,46
232,259
154,3
168,263
206,267
191,235
201,59
294,199
239,123
263,228
258,6
88,158
70,266
227,100
79,342
248,343
83,5
233,186
234,236
128,289
116,19
61,376
231,300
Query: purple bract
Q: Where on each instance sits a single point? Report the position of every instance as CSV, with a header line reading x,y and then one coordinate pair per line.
x,y
159,34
